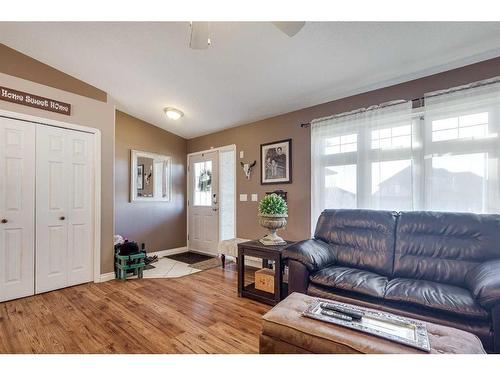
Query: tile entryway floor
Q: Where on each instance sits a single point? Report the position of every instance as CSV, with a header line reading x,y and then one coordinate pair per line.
x,y
168,268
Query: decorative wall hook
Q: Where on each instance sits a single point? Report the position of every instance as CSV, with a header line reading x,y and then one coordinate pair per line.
x,y
247,168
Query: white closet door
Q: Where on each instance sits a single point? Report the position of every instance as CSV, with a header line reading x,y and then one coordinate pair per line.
x,y
17,208
64,208
80,218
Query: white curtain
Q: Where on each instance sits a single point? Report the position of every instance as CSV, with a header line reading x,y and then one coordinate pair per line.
x,y
365,159
461,148
227,190
443,157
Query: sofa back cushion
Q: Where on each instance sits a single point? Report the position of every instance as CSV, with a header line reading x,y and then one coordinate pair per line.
x,y
362,239
444,246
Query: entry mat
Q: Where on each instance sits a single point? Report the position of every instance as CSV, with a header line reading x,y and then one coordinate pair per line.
x,y
189,257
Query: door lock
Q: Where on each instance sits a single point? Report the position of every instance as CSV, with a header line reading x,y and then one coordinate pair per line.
x,y
62,218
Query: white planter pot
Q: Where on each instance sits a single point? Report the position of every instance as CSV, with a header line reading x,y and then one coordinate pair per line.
x,y
273,223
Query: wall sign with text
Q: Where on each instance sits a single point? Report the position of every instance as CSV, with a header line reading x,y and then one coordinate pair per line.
x,y
34,101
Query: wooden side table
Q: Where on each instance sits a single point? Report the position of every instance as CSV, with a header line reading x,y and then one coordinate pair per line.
x,y
266,253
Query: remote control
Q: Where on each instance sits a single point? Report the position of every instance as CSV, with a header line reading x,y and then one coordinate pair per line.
x,y
336,315
342,310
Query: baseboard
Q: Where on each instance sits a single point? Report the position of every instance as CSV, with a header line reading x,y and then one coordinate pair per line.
x,y
163,253
106,277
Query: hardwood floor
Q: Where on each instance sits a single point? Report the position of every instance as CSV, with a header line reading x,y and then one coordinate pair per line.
x,y
199,313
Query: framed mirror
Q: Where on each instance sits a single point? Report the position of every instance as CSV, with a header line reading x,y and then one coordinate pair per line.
x,y
150,177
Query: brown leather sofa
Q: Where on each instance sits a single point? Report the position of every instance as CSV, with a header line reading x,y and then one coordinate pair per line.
x,y
435,266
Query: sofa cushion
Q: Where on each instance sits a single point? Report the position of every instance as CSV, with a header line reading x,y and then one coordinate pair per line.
x,y
435,296
362,239
352,280
444,246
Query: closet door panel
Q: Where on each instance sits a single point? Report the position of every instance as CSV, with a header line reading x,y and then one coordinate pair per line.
x,y
80,212
51,209
17,208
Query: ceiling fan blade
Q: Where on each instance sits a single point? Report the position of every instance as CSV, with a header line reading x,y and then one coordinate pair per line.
x,y
200,38
290,28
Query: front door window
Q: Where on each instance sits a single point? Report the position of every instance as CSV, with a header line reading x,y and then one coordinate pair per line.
x,y
203,183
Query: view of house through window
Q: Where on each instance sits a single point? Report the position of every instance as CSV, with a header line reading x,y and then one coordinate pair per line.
x,y
397,158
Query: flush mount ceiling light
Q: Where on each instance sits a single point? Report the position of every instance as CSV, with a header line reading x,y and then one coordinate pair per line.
x,y
173,113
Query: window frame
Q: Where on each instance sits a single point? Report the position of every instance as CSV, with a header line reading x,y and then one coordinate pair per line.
x,y
134,155
420,153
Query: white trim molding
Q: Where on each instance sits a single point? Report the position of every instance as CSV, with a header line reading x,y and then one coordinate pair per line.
x,y
97,174
163,253
231,147
106,277
222,148
134,154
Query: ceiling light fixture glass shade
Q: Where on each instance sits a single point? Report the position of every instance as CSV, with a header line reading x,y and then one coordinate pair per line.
x,y
173,113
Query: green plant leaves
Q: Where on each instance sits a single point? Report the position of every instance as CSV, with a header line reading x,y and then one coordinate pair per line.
x,y
273,204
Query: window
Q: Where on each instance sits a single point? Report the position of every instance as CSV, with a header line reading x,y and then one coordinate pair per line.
x,y
467,126
227,190
454,177
341,144
203,183
441,158
392,185
397,137
364,160
340,186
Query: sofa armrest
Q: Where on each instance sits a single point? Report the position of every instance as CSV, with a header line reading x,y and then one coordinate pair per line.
x,y
314,254
298,277
483,282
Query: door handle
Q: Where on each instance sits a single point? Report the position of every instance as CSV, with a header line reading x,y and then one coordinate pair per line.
x,y
215,209
62,218
4,221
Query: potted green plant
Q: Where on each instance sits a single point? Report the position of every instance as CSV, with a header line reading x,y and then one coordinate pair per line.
x,y
273,213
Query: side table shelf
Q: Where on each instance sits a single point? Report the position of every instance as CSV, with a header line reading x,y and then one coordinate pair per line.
x,y
267,254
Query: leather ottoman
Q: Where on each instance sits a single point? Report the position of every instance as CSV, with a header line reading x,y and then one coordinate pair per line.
x,y
285,330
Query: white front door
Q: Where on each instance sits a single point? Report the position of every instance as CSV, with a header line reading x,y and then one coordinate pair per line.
x,y
203,202
17,208
64,197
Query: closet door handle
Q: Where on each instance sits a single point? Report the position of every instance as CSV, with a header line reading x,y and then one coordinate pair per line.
x,y
62,218
4,221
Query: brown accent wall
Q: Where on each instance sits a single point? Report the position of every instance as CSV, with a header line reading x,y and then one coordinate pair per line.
x,y
19,65
160,225
248,138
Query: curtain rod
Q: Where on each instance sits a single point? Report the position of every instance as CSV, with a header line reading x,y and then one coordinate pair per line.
x,y
419,102
360,110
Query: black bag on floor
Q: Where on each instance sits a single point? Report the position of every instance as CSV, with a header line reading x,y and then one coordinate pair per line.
x,y
129,247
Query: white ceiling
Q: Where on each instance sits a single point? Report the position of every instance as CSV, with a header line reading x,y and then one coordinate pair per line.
x,y
252,70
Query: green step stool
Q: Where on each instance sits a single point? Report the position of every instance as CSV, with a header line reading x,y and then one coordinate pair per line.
x,y
129,263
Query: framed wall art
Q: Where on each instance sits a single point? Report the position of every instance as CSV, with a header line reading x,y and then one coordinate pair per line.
x,y
276,162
